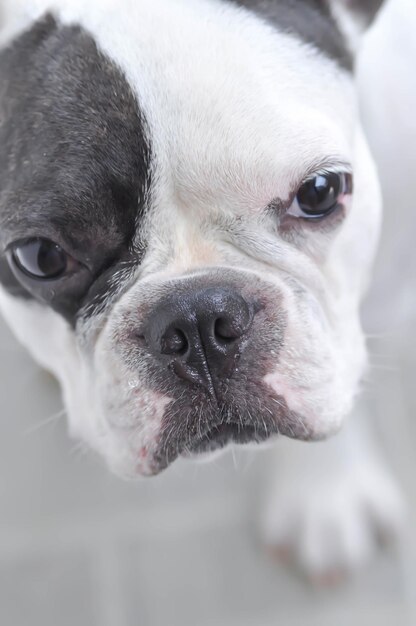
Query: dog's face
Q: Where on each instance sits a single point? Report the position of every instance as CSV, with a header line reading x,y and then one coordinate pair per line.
x,y
188,212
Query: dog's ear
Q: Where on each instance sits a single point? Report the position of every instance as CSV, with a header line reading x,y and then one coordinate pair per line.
x,y
354,16
363,11
15,16
9,11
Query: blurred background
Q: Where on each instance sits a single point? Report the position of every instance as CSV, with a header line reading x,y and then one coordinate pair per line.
x,y
78,546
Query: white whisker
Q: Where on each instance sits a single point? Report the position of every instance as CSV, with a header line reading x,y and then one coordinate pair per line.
x,y
49,420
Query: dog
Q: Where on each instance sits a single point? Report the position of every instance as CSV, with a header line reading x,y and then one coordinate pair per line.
x,y
189,213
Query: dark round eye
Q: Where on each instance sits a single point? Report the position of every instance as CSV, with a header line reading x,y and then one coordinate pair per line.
x,y
320,195
40,259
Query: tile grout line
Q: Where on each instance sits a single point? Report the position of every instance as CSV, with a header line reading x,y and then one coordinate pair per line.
x,y
109,595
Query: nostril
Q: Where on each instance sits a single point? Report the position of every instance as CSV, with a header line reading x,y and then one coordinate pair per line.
x,y
174,341
225,330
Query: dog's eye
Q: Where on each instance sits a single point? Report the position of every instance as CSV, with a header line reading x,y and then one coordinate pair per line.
x,y
321,195
41,259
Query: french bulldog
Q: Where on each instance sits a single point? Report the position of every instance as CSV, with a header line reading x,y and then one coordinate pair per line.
x,y
189,213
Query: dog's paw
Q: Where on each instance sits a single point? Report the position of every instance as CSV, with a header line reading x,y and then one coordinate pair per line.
x,y
332,526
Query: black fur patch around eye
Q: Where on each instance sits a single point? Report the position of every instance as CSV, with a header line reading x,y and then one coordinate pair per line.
x,y
310,20
75,157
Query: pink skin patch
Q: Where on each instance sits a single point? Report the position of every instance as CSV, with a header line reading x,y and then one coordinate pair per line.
x,y
292,395
143,453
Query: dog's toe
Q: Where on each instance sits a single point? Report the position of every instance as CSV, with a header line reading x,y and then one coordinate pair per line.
x,y
331,529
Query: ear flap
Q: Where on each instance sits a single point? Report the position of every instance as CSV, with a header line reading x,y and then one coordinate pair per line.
x,y
364,10
354,16
15,16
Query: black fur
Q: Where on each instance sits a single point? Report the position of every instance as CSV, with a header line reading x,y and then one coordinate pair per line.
x,y
74,157
310,20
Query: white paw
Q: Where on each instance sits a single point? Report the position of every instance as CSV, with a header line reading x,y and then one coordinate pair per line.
x,y
330,524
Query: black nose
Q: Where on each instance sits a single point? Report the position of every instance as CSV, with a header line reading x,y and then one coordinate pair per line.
x,y
200,334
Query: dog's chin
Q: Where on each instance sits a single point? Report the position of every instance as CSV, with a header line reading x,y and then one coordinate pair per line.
x,y
203,448
198,429
219,437
201,440
206,447
130,462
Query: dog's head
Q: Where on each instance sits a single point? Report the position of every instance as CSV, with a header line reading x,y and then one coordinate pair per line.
x,y
188,212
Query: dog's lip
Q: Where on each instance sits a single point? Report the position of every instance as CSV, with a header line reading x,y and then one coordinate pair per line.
x,y
220,435
217,436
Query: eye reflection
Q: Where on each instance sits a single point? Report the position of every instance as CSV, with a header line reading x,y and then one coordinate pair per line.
x,y
41,259
319,196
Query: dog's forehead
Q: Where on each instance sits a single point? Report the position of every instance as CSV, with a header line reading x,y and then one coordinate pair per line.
x,y
222,91
235,107
225,96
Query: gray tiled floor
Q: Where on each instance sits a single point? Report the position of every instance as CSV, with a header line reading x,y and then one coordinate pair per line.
x,y
42,589
77,546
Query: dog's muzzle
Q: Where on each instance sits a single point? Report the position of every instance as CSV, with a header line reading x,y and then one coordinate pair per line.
x,y
207,344
200,337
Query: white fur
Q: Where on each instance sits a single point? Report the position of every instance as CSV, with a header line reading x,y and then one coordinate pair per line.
x,y
326,503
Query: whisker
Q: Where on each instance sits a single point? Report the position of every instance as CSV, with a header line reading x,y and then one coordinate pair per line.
x,y
384,368
277,402
234,458
249,461
377,335
79,449
49,420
